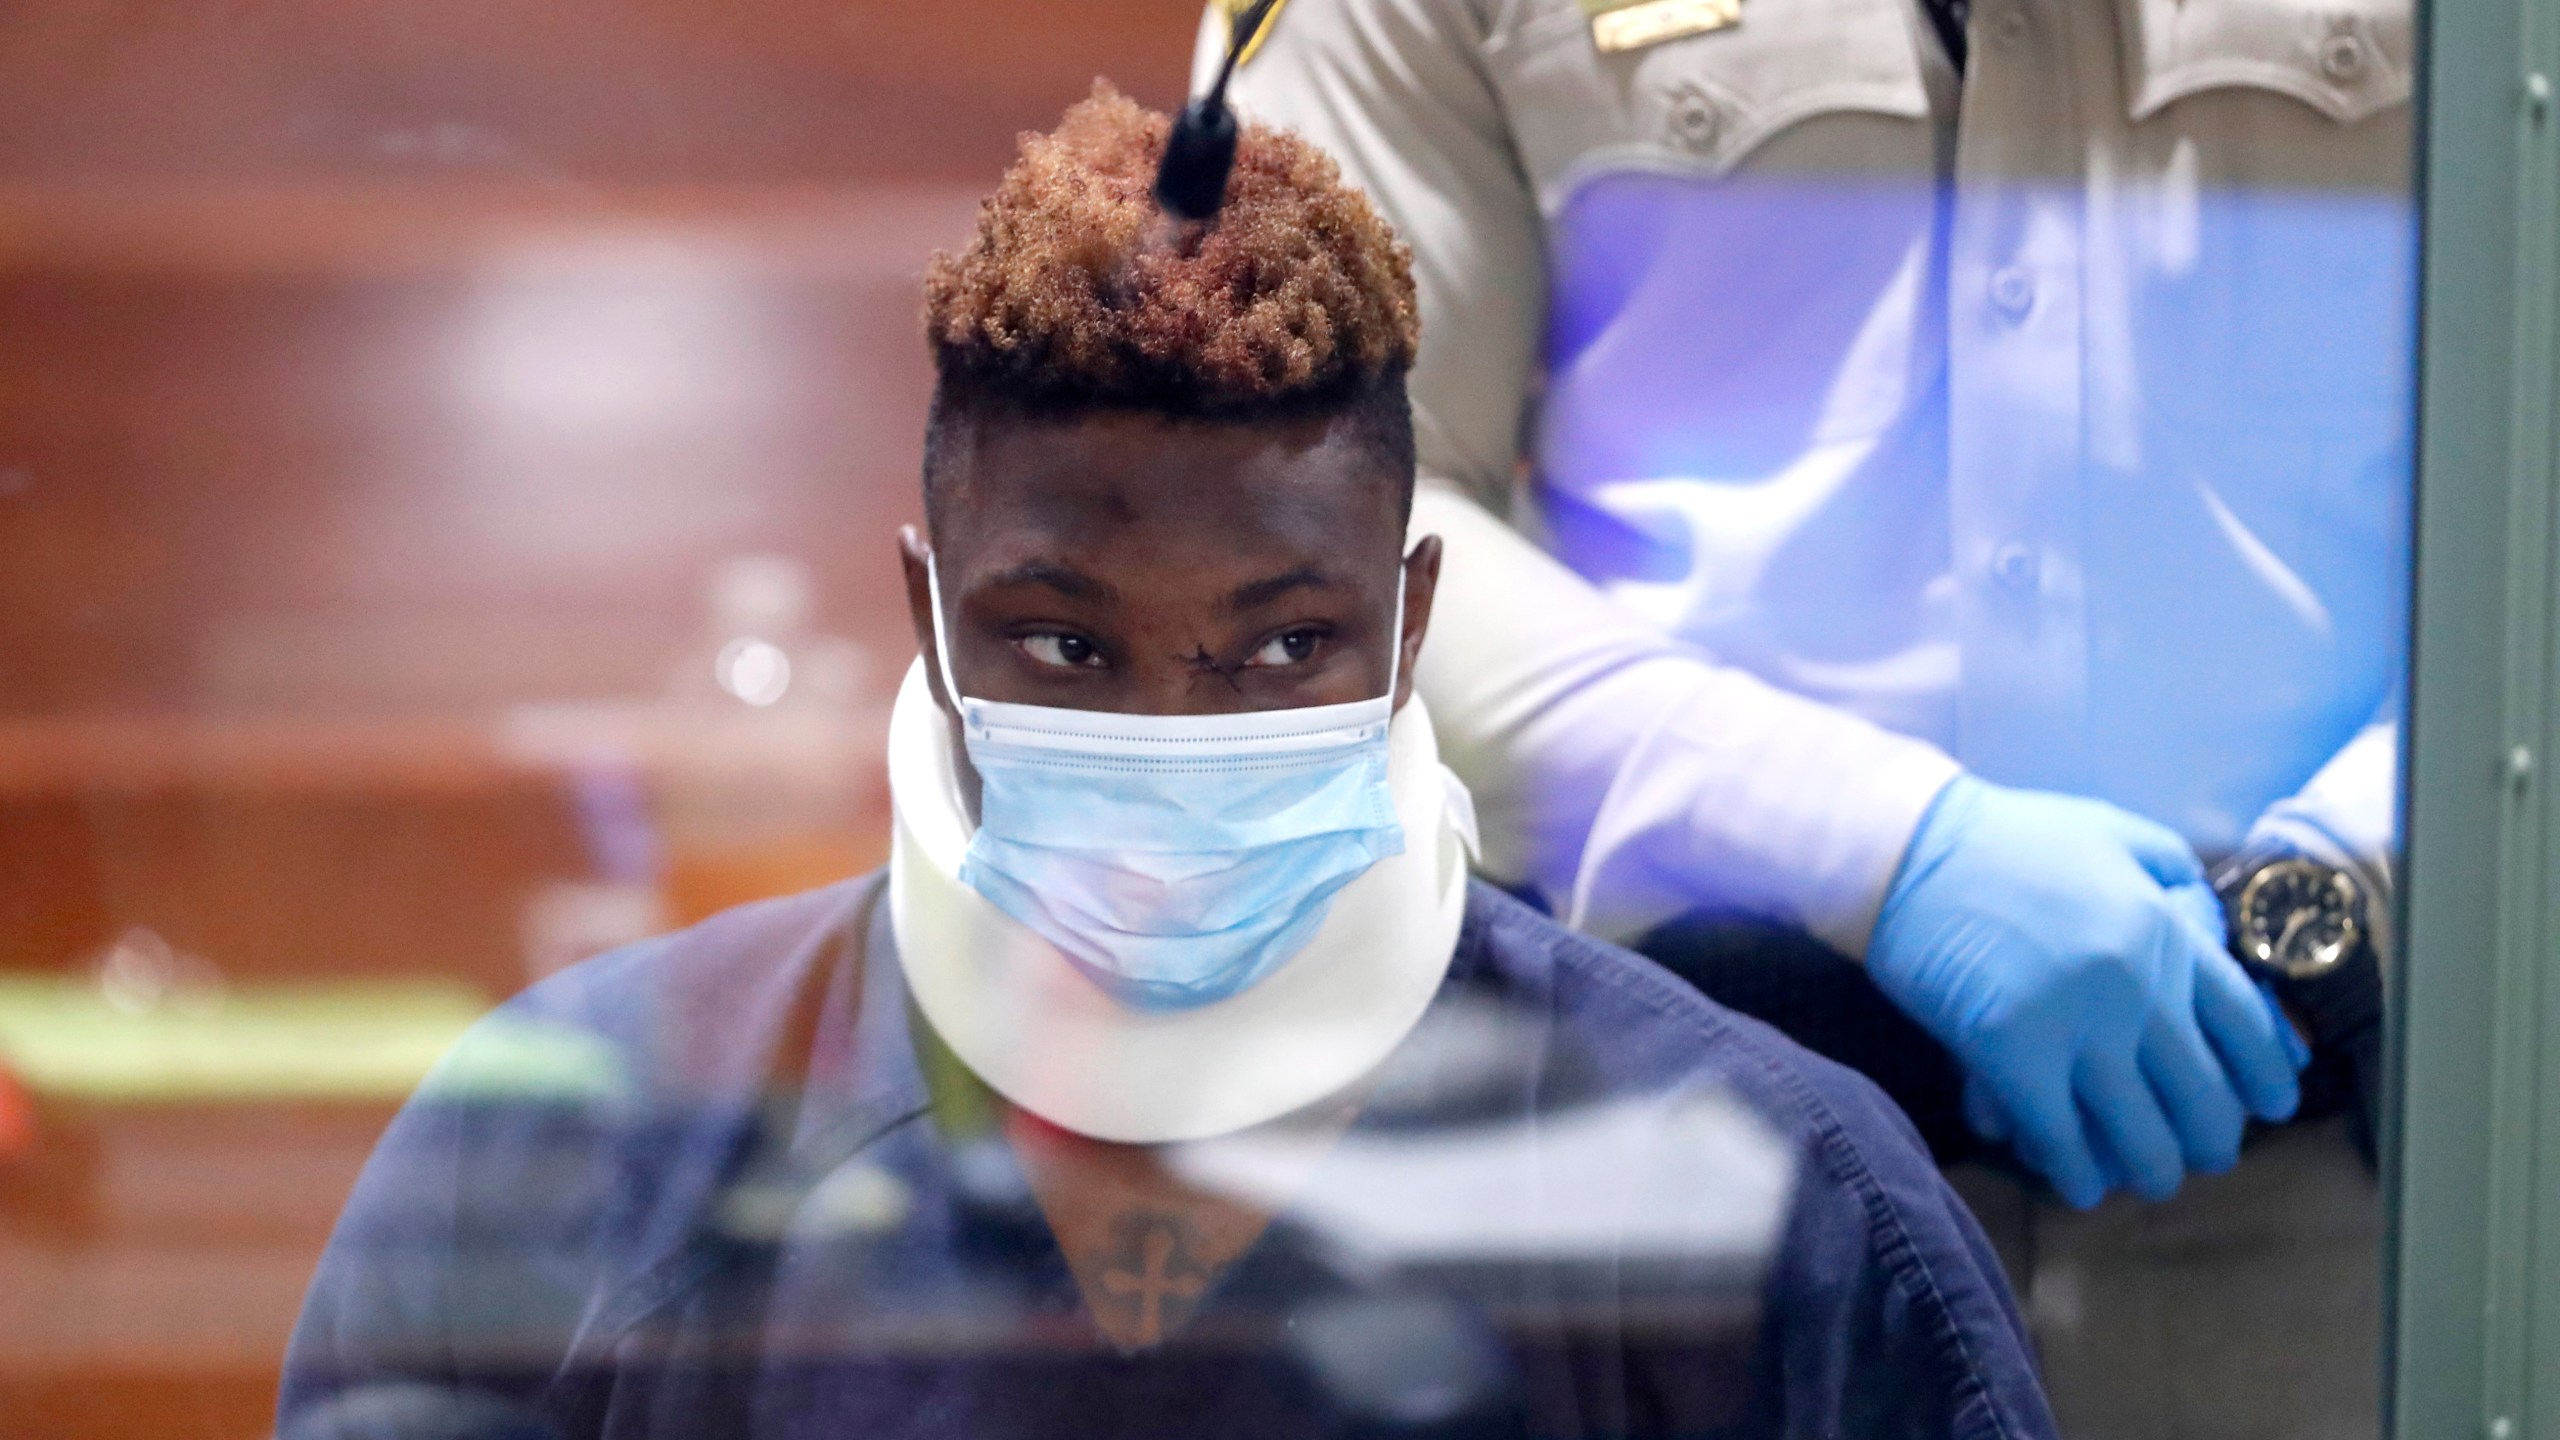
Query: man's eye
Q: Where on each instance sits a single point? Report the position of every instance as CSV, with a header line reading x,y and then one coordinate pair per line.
x,y
1068,651
1292,648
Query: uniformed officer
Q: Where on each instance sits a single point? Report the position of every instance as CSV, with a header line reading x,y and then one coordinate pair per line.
x,y
1977,450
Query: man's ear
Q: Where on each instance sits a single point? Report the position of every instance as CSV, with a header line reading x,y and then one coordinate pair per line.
x,y
915,556
1421,583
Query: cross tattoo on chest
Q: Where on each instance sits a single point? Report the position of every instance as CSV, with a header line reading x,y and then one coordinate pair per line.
x,y
1150,1266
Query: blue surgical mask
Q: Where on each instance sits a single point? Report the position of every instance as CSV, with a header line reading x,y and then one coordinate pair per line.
x,y
1175,859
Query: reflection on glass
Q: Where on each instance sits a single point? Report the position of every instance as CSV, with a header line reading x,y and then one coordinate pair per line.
x,y
442,488
771,1198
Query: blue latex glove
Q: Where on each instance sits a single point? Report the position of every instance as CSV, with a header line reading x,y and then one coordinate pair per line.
x,y
2070,954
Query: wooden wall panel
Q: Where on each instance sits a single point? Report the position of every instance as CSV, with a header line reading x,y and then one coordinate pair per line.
x,y
369,371
370,362
580,92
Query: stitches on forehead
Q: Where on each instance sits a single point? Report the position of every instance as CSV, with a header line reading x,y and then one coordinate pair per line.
x,y
1089,474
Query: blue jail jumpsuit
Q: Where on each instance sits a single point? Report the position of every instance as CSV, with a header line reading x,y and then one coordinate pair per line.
x,y
698,1187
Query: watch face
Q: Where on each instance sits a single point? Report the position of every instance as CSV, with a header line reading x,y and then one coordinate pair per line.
x,y
2300,916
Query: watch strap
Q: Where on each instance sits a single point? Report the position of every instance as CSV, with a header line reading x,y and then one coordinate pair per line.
x,y
2333,1005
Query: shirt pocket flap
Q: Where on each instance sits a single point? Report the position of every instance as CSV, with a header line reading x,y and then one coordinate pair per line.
x,y
2348,59
1702,102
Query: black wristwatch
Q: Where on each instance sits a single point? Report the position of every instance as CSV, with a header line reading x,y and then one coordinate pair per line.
x,y
2305,928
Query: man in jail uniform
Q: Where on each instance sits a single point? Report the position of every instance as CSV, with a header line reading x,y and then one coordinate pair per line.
x,y
1177,1079
1915,405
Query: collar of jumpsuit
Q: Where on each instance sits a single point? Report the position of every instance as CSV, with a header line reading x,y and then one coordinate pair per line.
x,y
1025,1020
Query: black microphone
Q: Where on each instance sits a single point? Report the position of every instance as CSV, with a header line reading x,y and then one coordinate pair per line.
x,y
1191,181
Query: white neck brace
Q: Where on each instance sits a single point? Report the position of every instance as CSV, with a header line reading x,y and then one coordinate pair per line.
x,y
1025,1021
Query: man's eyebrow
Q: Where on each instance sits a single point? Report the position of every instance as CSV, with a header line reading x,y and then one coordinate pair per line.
x,y
1263,592
1074,584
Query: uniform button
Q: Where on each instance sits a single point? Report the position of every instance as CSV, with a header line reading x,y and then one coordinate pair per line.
x,y
1694,121
2342,59
2014,566
2009,27
2013,291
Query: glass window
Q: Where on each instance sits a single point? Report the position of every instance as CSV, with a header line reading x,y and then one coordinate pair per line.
x,y
1682,720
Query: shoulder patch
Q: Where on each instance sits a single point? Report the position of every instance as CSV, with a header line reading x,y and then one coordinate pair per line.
x,y
1236,10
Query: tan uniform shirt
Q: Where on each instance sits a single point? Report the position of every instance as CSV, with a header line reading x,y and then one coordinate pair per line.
x,y
2054,422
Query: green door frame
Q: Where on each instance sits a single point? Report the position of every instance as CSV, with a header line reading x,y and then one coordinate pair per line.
x,y
2474,1262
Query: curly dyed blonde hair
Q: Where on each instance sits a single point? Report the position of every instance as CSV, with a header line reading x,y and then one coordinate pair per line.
x,y
1077,294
